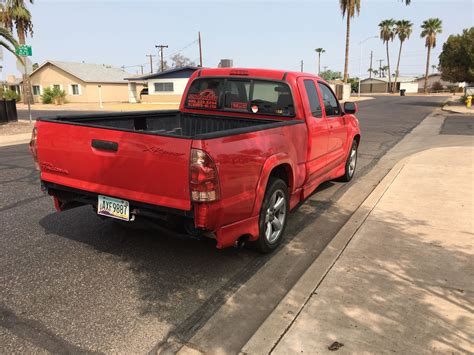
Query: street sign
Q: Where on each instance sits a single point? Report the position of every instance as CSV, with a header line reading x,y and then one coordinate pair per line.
x,y
23,50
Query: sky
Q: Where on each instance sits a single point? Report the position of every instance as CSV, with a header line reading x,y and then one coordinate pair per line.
x,y
261,33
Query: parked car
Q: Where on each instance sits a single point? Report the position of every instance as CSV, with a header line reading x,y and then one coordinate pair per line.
x,y
245,147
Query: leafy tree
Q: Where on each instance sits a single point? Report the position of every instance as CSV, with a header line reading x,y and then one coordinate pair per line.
x,y
330,75
456,61
319,51
387,33
430,28
35,66
348,8
178,61
403,29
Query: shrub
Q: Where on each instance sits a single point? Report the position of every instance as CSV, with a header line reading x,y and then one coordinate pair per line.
x,y
47,97
53,95
437,86
11,95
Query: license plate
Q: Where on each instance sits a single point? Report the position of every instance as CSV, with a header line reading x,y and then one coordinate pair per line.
x,y
113,207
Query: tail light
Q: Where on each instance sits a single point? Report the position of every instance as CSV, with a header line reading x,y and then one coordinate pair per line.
x,y
204,182
34,147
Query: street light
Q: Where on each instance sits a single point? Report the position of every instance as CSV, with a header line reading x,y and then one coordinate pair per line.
x,y
360,59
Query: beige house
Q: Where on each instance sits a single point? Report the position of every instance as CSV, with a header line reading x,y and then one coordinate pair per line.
x,y
83,82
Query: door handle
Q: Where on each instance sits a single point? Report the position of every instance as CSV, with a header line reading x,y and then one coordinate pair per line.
x,y
104,145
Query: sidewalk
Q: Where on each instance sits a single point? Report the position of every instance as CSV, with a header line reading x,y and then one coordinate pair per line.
x,y
455,106
405,280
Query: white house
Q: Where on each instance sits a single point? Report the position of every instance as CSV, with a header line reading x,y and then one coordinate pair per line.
x,y
436,78
380,85
165,87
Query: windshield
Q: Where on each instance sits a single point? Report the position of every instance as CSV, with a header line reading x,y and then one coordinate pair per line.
x,y
254,96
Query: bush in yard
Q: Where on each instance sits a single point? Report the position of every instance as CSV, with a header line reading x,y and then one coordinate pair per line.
x,y
47,97
437,86
53,95
11,95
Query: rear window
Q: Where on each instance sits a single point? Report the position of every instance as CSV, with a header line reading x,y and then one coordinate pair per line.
x,y
255,96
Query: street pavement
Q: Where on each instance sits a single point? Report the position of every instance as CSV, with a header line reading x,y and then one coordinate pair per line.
x,y
72,282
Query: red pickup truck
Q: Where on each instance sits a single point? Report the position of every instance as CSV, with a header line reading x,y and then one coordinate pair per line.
x,y
245,147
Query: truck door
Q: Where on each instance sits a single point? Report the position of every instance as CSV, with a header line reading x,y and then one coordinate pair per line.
x,y
317,129
336,126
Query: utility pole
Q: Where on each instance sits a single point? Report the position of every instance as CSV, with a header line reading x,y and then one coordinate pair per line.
x,y
370,71
161,47
380,67
302,65
141,67
151,62
200,49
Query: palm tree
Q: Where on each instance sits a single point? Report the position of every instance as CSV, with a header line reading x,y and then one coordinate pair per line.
x,y
16,13
319,51
433,67
403,29
7,41
348,9
430,28
376,72
387,34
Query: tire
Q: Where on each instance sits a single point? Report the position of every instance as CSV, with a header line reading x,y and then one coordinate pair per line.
x,y
276,195
351,163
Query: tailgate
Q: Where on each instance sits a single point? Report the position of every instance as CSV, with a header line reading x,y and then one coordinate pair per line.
x,y
141,167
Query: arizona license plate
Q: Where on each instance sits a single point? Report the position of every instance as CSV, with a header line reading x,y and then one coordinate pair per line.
x,y
113,207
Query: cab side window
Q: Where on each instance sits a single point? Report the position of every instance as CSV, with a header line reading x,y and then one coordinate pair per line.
x,y
313,98
331,105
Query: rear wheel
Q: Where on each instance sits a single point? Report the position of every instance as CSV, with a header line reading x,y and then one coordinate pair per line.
x,y
350,163
273,216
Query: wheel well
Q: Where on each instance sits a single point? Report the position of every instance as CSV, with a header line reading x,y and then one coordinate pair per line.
x,y
283,172
357,138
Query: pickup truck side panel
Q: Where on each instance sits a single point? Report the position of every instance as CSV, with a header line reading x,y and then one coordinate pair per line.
x,y
244,163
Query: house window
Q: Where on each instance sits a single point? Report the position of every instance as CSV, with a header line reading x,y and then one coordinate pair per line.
x,y
36,90
75,89
168,87
57,86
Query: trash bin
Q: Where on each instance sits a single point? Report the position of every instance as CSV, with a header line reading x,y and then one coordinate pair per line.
x,y
402,92
8,111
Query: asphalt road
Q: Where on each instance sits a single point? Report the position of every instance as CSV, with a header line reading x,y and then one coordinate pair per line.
x,y
71,282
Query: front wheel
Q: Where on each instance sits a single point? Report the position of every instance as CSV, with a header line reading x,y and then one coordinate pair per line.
x,y
351,163
273,216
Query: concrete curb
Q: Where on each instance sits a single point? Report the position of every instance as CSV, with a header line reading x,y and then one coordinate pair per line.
x,y
280,320
14,139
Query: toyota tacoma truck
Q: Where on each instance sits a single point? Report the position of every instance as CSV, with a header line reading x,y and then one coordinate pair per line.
x,y
244,148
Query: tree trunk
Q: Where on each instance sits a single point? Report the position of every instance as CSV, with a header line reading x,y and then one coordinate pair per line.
x,y
346,62
398,65
425,86
388,66
319,63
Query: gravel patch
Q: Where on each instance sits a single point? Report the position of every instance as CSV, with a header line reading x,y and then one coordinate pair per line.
x,y
19,127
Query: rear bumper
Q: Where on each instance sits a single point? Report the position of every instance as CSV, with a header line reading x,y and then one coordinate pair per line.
x,y
226,236
71,197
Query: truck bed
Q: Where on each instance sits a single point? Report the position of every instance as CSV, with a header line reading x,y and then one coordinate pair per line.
x,y
170,123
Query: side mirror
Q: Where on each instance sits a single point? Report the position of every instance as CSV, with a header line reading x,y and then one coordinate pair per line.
x,y
350,108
